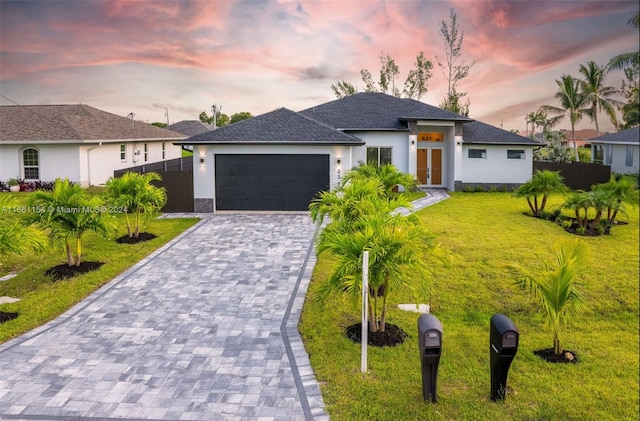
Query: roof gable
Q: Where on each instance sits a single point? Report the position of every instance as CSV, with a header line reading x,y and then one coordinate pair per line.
x,y
281,126
373,110
631,135
75,123
481,133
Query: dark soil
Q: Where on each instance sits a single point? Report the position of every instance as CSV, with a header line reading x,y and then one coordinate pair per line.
x,y
5,317
143,236
565,357
65,271
573,228
391,336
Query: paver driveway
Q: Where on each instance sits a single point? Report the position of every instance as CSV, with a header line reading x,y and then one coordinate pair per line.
x,y
203,329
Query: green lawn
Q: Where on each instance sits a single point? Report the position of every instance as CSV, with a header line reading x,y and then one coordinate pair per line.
x,y
43,299
483,231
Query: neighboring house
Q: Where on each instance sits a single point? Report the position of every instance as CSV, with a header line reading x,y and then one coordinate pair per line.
x,y
582,137
280,160
620,150
190,128
78,142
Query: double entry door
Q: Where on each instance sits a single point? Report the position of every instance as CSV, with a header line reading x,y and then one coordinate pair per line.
x,y
430,166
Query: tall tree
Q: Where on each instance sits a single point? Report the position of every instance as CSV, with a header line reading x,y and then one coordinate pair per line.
x,y
597,95
415,84
630,64
221,119
572,105
242,115
453,69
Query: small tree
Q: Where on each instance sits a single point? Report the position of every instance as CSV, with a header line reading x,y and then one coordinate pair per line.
x,y
579,203
618,193
67,213
541,186
554,289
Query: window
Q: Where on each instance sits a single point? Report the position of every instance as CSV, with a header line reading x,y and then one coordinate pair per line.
x,y
430,137
146,153
515,154
123,152
608,154
380,156
628,158
163,150
30,164
477,153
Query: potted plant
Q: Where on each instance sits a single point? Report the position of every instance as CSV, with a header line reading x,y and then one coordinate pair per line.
x,y
14,185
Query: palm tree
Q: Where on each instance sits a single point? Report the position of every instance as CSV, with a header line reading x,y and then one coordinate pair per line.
x,y
572,103
579,203
543,183
119,194
15,237
68,213
618,193
389,176
136,193
397,245
530,119
626,60
600,97
554,289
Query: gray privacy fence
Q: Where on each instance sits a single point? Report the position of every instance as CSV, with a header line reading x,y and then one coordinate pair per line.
x,y
577,175
177,179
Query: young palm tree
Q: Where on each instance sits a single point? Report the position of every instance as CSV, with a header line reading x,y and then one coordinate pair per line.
x,y
618,193
579,202
147,198
600,97
572,104
15,237
119,194
554,289
387,174
543,184
397,245
68,213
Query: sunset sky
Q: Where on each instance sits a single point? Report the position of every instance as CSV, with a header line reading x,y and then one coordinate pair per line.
x,y
126,56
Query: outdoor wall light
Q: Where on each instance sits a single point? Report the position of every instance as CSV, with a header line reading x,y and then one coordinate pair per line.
x,y
202,160
338,160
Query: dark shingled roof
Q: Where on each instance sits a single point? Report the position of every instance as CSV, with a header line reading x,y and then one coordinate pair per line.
x,y
631,135
190,127
481,133
281,126
368,110
73,123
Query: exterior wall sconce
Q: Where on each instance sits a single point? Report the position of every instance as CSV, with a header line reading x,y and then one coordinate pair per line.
x,y
338,160
202,160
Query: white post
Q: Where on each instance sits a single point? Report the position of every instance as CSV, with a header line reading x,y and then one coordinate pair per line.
x,y
365,311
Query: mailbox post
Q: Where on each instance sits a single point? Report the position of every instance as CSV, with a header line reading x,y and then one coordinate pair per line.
x,y
503,346
430,342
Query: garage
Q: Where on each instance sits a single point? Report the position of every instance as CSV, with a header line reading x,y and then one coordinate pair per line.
x,y
269,182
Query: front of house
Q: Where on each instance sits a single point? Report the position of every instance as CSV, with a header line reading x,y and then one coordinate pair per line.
x,y
620,150
78,142
282,159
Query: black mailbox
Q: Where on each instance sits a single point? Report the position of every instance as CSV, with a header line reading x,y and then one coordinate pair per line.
x,y
430,342
503,346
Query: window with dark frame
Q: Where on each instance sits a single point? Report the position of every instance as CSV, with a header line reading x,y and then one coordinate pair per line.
x,y
380,156
146,153
163,150
123,152
628,158
515,154
30,164
477,153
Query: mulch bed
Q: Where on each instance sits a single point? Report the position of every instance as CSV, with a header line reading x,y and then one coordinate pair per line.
x,y
6,316
65,271
391,336
565,357
573,228
143,236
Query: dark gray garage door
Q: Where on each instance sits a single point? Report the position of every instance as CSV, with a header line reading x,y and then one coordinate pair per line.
x,y
269,182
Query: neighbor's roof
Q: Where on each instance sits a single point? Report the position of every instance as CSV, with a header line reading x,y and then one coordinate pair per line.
x,y
369,110
190,127
629,136
72,123
481,133
281,126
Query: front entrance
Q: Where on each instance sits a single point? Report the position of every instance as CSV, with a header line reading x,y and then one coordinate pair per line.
x,y
429,166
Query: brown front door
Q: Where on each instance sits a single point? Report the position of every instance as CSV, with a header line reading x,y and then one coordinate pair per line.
x,y
436,167
422,166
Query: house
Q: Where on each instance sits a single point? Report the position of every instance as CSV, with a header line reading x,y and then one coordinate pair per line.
x,y
280,160
78,142
620,150
582,137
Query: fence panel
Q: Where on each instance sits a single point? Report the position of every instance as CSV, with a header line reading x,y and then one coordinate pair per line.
x,y
577,175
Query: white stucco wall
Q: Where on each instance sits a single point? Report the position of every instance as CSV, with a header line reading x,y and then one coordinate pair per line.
x,y
397,141
496,168
55,161
618,159
203,173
